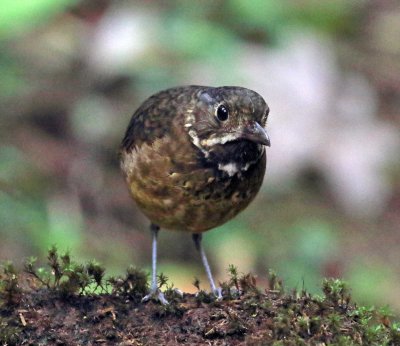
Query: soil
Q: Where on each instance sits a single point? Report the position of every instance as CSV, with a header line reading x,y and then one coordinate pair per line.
x,y
248,316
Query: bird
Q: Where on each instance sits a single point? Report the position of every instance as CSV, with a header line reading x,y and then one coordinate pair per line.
x,y
193,157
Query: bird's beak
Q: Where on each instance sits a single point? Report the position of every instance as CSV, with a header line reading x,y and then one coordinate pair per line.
x,y
256,133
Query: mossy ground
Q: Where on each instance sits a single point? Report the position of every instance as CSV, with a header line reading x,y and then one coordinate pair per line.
x,y
73,304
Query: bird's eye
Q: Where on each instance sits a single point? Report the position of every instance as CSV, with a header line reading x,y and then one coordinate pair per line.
x,y
222,113
265,115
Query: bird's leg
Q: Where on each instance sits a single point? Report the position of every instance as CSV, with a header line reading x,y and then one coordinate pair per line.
x,y
154,290
217,291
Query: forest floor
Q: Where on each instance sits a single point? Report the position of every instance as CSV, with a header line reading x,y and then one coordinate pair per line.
x,y
66,303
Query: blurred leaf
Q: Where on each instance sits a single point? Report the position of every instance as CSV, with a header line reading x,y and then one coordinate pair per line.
x,y
329,16
65,224
12,82
196,39
22,220
218,237
275,16
12,163
258,13
28,221
298,274
372,281
92,118
313,241
151,79
17,16
18,174
195,9
234,243
304,249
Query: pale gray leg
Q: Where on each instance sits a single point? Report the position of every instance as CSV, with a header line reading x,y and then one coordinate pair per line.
x,y
217,291
154,290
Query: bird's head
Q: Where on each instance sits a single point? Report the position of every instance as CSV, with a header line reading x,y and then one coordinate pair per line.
x,y
228,124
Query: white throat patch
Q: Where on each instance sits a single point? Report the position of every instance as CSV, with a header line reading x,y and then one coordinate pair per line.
x,y
220,140
230,168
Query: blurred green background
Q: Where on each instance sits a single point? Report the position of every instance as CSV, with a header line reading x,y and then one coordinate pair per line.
x,y
73,72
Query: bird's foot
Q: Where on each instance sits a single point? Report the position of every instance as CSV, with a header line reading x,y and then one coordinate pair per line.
x,y
155,294
178,292
218,293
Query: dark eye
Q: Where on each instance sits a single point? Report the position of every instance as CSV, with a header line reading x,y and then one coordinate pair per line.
x,y
222,113
265,115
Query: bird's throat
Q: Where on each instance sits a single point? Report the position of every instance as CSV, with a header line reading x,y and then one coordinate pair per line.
x,y
235,157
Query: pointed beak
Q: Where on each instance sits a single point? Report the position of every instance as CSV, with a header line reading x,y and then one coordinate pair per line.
x,y
256,133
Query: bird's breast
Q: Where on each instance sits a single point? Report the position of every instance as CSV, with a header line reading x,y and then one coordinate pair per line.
x,y
176,190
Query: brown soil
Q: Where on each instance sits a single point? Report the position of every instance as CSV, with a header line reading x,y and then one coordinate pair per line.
x,y
44,317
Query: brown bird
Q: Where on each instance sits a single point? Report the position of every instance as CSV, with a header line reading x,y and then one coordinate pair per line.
x,y
193,158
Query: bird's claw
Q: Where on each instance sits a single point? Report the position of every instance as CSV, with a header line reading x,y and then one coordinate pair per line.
x,y
157,295
178,292
218,293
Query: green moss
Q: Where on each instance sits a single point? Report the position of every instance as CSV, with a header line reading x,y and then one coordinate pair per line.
x,y
247,313
64,276
10,292
133,284
9,332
